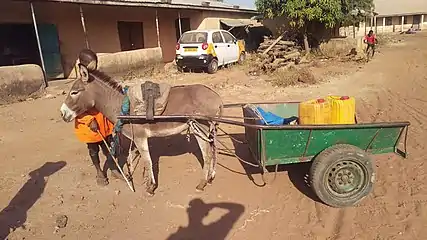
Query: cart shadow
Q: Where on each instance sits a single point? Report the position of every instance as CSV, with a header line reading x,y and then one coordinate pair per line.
x,y
297,173
14,215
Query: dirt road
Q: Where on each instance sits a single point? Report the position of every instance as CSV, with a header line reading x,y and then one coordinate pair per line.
x,y
392,87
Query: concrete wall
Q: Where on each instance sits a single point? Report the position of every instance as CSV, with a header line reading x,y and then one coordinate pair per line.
x,y
19,82
101,25
211,19
122,62
276,25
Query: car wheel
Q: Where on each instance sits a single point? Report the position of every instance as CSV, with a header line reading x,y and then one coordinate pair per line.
x,y
213,66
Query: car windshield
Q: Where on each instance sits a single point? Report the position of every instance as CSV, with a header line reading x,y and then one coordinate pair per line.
x,y
193,37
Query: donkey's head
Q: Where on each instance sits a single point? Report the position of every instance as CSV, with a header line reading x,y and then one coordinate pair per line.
x,y
80,98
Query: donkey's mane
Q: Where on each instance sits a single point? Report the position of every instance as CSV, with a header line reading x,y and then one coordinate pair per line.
x,y
106,79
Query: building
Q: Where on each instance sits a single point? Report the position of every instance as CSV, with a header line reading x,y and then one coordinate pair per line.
x,y
64,27
400,15
391,16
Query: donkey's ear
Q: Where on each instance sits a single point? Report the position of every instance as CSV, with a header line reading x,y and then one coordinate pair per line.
x,y
84,73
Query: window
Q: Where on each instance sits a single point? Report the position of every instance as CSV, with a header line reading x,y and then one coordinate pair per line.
x,y
131,35
417,19
228,37
405,20
379,21
193,37
185,26
217,38
389,21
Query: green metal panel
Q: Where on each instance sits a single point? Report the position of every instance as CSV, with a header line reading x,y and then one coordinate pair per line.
x,y
286,146
49,42
291,146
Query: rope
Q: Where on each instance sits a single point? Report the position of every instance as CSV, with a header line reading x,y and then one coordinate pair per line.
x,y
198,130
124,110
234,154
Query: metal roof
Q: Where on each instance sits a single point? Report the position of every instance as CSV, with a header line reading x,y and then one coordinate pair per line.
x,y
400,7
182,4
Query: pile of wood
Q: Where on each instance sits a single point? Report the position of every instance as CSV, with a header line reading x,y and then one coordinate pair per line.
x,y
273,54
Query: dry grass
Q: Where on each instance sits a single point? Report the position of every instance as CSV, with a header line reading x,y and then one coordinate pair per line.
x,y
293,76
387,39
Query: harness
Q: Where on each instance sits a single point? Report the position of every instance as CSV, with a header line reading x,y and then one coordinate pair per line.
x,y
118,126
150,92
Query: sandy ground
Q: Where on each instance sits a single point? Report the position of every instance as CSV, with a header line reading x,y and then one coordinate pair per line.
x,y
47,172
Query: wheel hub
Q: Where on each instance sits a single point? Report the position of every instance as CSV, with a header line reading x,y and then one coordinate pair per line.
x,y
345,178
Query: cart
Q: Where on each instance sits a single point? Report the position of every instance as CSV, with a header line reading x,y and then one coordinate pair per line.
x,y
341,174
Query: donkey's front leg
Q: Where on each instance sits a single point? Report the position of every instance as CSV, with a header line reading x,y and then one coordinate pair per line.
x,y
142,145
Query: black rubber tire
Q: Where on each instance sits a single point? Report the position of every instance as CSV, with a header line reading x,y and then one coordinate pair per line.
x,y
332,157
213,66
242,58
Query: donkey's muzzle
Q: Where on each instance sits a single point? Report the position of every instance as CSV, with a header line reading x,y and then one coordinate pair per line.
x,y
66,113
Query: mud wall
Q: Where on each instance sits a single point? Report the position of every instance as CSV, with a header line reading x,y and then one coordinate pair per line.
x,y
19,82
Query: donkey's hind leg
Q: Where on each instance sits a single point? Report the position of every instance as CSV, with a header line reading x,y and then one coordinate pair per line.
x,y
142,145
205,148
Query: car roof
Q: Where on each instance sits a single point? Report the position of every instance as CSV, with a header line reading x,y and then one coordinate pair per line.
x,y
206,30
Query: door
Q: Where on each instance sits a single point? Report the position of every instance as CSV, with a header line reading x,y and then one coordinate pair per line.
x,y
185,26
232,49
49,41
416,21
220,47
131,35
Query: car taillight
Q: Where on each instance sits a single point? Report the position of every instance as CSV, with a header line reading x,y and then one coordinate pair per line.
x,y
204,46
177,46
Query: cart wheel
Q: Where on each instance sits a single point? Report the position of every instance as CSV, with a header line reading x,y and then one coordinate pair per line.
x,y
342,175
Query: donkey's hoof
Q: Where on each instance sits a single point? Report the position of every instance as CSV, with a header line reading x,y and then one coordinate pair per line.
x,y
101,181
115,174
149,194
150,189
201,186
211,180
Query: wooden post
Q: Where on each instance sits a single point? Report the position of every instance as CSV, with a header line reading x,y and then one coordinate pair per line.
x,y
36,30
157,29
375,22
366,20
401,25
383,24
179,23
82,18
422,21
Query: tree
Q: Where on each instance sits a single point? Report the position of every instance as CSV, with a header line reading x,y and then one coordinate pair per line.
x,y
303,12
355,11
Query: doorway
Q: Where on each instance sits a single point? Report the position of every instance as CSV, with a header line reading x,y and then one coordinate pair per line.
x,y
18,45
185,26
131,35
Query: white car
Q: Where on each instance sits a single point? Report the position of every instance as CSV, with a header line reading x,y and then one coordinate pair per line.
x,y
208,49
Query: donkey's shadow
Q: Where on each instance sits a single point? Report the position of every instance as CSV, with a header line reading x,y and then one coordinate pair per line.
x,y
163,146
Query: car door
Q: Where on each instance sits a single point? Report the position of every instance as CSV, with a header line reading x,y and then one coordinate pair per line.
x,y
231,46
220,47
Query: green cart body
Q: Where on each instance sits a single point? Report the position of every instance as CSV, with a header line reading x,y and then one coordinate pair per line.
x,y
342,173
287,144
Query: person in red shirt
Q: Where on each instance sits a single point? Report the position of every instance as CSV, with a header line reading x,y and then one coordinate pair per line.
x,y
370,40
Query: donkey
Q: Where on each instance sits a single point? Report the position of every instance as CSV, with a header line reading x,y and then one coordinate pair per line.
x,y
93,88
